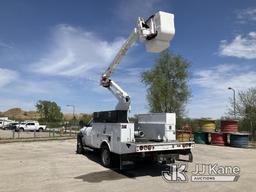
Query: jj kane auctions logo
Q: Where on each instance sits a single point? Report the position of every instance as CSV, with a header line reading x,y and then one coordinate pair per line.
x,y
202,173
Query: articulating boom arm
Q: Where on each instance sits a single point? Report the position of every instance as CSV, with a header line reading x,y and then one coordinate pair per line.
x,y
156,33
128,43
123,98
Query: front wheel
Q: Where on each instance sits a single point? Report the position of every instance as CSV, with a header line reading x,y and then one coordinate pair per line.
x,y
105,156
79,145
40,129
21,129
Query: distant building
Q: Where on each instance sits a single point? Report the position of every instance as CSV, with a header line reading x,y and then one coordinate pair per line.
x,y
4,121
3,118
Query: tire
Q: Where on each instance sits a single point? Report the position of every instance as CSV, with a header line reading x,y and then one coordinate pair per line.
x,y
79,145
106,157
40,129
21,129
150,160
190,157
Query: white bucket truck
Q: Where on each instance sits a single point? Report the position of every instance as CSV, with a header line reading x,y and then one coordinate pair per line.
x,y
111,132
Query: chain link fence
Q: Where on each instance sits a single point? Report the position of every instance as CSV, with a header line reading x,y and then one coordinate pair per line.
x,y
52,130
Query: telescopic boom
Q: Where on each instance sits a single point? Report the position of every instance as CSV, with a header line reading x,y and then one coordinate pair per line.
x,y
156,32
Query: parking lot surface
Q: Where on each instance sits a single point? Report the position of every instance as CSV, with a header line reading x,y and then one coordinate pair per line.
x,y
53,166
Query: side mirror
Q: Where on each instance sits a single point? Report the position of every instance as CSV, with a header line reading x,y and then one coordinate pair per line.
x,y
87,125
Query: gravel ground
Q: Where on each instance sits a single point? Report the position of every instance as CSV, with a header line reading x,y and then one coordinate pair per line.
x,y
53,166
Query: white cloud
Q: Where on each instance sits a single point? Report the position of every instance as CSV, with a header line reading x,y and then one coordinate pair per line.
x,y
129,75
75,52
130,10
246,15
241,47
7,76
25,93
19,91
210,98
41,88
208,105
5,45
222,76
8,103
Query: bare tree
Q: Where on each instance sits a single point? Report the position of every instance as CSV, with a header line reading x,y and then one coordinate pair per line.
x,y
245,108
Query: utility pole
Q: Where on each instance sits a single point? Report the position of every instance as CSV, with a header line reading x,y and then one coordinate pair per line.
x,y
74,108
234,100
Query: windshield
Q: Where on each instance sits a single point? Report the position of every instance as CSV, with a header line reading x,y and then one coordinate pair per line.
x,y
89,124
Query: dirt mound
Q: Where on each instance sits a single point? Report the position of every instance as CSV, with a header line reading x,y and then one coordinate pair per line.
x,y
19,114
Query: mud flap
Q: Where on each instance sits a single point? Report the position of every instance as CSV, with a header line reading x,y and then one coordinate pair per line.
x,y
188,157
126,162
167,158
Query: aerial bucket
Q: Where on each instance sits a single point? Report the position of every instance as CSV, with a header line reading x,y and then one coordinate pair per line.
x,y
162,24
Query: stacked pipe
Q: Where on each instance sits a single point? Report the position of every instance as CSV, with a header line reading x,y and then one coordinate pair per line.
x,y
235,138
229,126
219,138
227,136
184,133
207,126
240,140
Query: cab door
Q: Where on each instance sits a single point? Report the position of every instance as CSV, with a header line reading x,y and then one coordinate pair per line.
x,y
30,126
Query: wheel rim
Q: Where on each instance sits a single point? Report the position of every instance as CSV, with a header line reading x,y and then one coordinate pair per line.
x,y
105,157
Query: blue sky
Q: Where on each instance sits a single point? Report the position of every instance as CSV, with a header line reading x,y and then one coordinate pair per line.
x,y
57,49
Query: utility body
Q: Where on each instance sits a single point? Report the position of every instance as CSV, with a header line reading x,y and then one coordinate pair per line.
x,y
154,136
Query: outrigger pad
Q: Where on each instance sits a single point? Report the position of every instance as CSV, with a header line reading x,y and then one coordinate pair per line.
x,y
115,116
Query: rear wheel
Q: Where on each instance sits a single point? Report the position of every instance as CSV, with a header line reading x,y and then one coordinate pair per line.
x,y
105,156
151,159
190,157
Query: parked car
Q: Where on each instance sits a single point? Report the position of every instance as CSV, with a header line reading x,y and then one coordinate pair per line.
x,y
5,124
30,126
1,124
11,126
